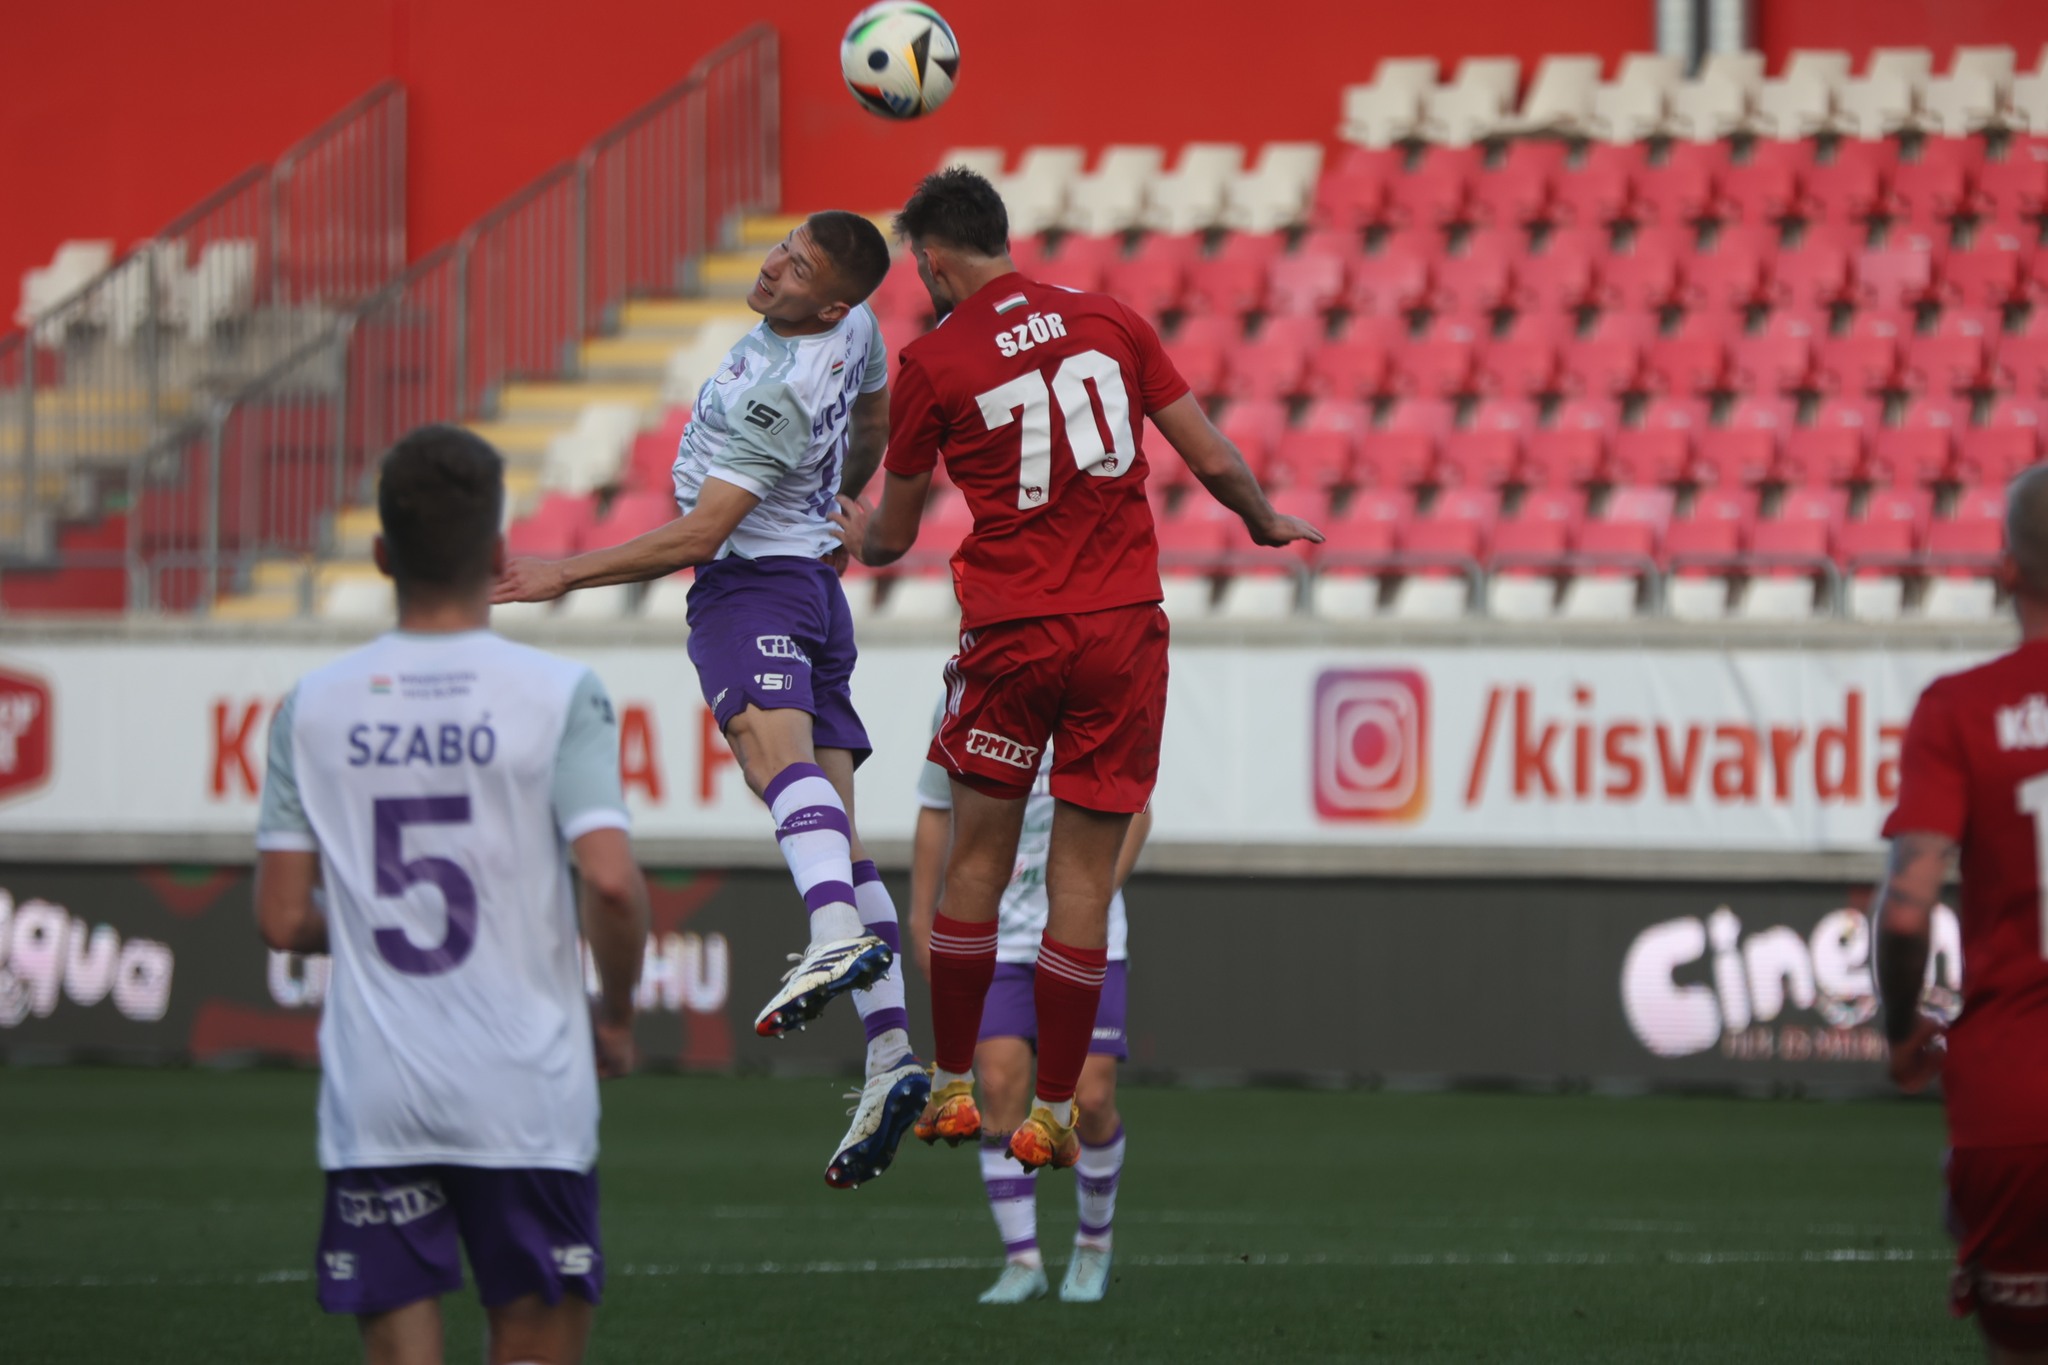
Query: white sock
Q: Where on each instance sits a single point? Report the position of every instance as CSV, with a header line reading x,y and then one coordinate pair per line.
x,y
1012,1198
1062,1110
816,839
1095,1177
881,1007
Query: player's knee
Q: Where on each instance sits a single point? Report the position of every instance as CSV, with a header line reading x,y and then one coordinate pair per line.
x,y
1095,1097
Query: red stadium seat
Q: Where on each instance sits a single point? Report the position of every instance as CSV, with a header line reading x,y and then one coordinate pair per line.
x,y
2008,442
1947,364
557,528
1518,192
1567,505
1647,506
1745,449
1738,505
1255,426
1873,547
1901,275
1355,194
1687,365
1976,502
1914,506
1573,448
1200,350
1686,188
1436,192
2014,192
1602,367
1992,273
1083,262
1772,364
1660,449
1812,502
1851,187
1739,272
1566,273
2023,363
1519,368
1832,449
1930,191
1818,271
1274,365
1919,449
630,515
1867,359
1402,452
1487,451
1359,365
1650,274
1395,281
1781,548
1701,545
1527,543
1437,367
1606,547
1315,459
1151,284
1602,189
1229,286
1766,189
1303,285
1481,279
1969,544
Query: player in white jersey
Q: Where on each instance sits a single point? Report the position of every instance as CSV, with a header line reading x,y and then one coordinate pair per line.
x,y
436,783
792,422
1009,1034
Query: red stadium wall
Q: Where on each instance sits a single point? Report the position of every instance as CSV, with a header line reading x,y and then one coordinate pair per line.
x,y
116,116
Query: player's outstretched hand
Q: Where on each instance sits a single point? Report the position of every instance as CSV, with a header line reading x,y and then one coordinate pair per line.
x,y
850,518
529,580
616,1055
1916,1062
1278,530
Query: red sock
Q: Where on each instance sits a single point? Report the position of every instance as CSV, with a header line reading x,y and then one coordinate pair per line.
x,y
1066,993
963,964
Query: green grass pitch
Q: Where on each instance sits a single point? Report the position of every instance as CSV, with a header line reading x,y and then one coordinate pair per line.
x,y
169,1216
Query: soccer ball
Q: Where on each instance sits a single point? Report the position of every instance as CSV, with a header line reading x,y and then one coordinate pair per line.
x,y
899,58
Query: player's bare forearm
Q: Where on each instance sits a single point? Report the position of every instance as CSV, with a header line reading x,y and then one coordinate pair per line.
x,y
614,915
1134,844
867,436
887,535
1905,917
927,874
1216,461
686,541
287,914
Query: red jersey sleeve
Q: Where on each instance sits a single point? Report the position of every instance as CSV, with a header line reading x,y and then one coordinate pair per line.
x,y
917,427
1159,382
1933,784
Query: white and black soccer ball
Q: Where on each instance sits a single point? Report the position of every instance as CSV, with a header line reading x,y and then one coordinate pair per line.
x,y
900,59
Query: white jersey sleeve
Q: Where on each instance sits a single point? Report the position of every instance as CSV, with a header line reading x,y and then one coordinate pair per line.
x,y
587,793
876,374
281,824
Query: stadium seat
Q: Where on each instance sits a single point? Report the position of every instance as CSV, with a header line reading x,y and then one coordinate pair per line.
x,y
1959,599
1518,192
1929,192
1738,272
1395,281
1560,98
1991,273
1083,262
1766,189
556,529
1111,198
2023,363
1435,192
1949,363
1519,368
1686,365
1573,448
1321,459
1699,553
1832,449
1638,103
1273,365
1965,546
1866,360
1200,350
1359,363
2015,190
1650,274
2008,442
1228,286
1354,196
1565,275
1440,366
1602,367
1389,108
1659,449
1305,284
1254,425
1745,449
1276,192
1602,189
1154,285
1900,275
630,515
1913,505
1772,364
1401,452
1918,451
1818,270
1190,197
1800,103
1851,187
1685,188
1036,193
1487,451
1479,280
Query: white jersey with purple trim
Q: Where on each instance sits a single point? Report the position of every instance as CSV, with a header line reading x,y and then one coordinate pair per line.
x,y
1025,909
441,778
773,420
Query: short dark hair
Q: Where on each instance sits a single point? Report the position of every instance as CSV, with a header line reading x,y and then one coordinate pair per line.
x,y
960,208
441,499
858,252
2026,527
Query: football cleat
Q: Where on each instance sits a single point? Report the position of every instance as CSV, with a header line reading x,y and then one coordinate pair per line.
x,y
822,971
890,1102
950,1114
1087,1278
1019,1283
1042,1140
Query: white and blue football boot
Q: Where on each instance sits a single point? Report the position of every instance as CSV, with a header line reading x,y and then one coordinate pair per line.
x,y
1019,1283
822,971
890,1102
1087,1278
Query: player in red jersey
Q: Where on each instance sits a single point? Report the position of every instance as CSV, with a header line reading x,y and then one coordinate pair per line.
x,y
1034,395
1974,782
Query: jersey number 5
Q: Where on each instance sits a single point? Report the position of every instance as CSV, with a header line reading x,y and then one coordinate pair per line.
x,y
1029,394
396,876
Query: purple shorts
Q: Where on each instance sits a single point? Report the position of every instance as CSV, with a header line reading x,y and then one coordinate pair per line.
x,y
776,632
1010,1012
393,1235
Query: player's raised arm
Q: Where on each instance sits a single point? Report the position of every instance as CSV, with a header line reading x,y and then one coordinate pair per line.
x,y
688,540
1222,470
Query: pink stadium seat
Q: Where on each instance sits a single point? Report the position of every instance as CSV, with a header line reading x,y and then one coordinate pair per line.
x,y
1782,549
1966,544
1738,505
1602,367
2008,442
1992,273
1200,350
1083,261
1481,279
1867,359
1527,543
1930,191
2023,363
557,527
1977,502
1686,187
1832,449
1336,244
1622,324
1439,545
1602,189
1437,367
1456,503
1273,366
1518,192
1651,506
1611,546
630,515
1874,547
650,468
1901,275
1436,192
1914,506
2015,190
1650,274
1255,425
1811,502
1519,368
1766,189
1745,450
1566,273
1228,286
1818,271
1918,451
1567,505
1772,364
1151,284
1315,459
1687,365
1947,364
1395,281
1573,448
1347,202
1359,365
1851,187
1303,285
1738,271
1487,451
1659,450
1702,545
1402,452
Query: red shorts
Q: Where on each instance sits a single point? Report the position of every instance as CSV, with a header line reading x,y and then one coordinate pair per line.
x,y
1092,684
1998,1211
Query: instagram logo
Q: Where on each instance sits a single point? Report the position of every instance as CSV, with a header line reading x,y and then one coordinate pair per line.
x,y
1371,744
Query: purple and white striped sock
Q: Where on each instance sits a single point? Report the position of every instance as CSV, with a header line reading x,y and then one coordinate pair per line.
x,y
1012,1198
1095,1177
817,843
882,1012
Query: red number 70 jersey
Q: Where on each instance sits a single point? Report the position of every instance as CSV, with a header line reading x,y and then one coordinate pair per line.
x,y
1035,396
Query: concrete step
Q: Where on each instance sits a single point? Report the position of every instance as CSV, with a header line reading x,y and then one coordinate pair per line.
x,y
354,529
520,442
676,317
767,229
258,606
568,399
635,357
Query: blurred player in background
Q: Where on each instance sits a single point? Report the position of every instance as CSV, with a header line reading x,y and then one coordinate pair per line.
x,y
795,417
1034,395
1009,1033
1974,781
436,783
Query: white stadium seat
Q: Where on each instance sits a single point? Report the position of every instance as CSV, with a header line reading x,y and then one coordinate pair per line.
x,y
75,265
1776,599
1477,104
1521,597
668,599
1960,104
1276,192
986,161
358,597
1185,596
1697,599
1257,597
1417,598
222,286
2028,101
1598,597
1801,102
1881,104
1036,195
1637,103
919,597
1189,198
1877,597
1111,198
612,602
1344,597
1391,107
590,455
1561,96
1710,108
692,364
1960,599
